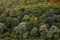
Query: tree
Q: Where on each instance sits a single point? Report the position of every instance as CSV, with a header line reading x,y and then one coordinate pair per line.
x,y
2,28
43,31
26,18
20,29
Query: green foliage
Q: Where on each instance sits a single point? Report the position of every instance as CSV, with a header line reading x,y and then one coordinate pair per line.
x,y
29,19
26,18
2,28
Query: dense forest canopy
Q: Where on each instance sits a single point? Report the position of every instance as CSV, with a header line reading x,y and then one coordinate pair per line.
x,y
29,20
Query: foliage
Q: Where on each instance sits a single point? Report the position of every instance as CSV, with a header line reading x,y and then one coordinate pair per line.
x,y
29,19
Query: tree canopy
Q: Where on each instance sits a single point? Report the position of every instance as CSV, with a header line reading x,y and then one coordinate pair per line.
x,y
29,20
